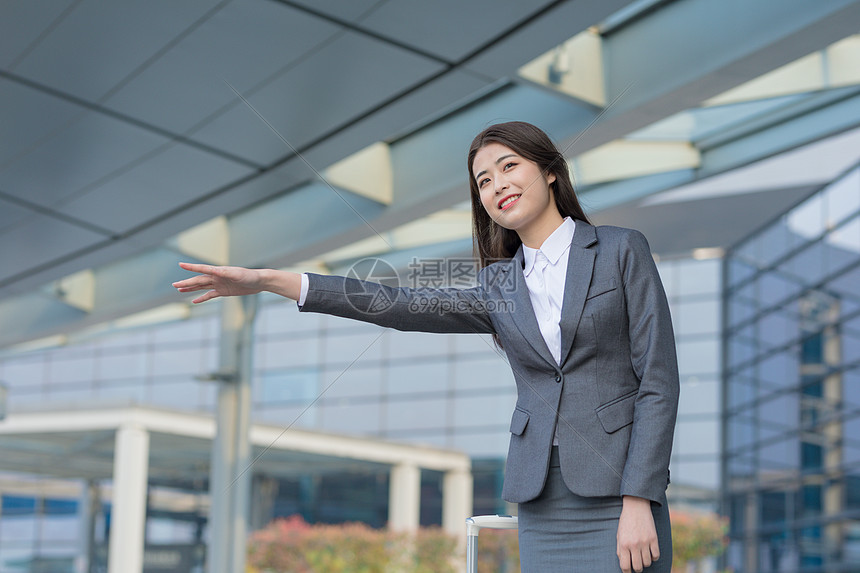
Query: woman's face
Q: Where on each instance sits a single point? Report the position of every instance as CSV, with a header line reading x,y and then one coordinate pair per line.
x,y
514,191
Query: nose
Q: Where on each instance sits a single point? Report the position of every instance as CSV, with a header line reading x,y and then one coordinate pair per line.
x,y
500,184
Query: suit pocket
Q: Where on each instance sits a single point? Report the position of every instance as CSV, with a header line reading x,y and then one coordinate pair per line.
x,y
599,289
618,413
519,421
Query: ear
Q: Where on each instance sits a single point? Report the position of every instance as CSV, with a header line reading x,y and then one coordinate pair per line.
x,y
550,179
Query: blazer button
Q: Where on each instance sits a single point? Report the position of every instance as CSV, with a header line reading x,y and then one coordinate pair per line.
x,y
558,377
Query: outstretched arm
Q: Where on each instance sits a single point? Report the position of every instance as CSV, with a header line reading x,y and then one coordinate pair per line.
x,y
235,281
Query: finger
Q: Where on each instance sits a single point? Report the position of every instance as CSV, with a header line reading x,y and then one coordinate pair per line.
x,y
199,268
200,281
194,283
208,296
636,561
655,550
646,558
624,560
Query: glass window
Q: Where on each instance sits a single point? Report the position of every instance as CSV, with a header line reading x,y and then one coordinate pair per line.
x,y
699,396
740,311
292,352
425,377
668,275
71,370
698,317
416,414
698,277
698,356
697,437
352,417
739,270
406,345
283,386
490,409
348,347
775,288
182,360
122,365
777,330
809,265
491,372
844,246
359,381
741,393
807,219
779,455
701,473
122,392
842,198
780,370
741,434
174,392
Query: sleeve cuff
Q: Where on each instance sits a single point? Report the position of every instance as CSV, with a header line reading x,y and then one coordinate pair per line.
x,y
304,292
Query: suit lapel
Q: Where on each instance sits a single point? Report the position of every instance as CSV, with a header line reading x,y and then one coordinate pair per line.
x,y
580,266
524,314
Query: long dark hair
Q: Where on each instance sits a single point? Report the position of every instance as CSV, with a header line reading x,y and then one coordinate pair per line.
x,y
492,241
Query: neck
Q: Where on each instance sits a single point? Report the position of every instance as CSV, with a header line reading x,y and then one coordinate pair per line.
x,y
535,235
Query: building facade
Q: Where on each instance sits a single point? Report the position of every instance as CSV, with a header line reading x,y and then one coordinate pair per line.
x,y
791,465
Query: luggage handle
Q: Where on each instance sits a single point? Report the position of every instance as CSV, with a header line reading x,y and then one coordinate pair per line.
x,y
474,525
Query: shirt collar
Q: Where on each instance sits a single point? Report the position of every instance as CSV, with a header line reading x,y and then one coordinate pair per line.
x,y
553,247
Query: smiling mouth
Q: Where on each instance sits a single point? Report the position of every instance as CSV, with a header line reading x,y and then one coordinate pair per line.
x,y
508,201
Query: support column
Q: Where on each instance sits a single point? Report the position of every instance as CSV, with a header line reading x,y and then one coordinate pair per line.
x,y
404,497
90,507
456,501
229,484
128,513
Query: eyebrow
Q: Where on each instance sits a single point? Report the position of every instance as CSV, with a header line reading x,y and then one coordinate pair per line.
x,y
499,160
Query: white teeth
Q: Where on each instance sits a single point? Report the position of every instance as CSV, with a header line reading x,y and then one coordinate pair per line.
x,y
508,201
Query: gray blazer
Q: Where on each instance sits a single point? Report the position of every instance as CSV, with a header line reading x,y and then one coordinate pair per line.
x,y
615,394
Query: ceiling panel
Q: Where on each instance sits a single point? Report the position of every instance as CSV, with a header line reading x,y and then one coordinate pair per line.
x,y
347,77
86,151
102,41
24,22
349,11
26,245
244,43
30,116
11,213
449,29
163,182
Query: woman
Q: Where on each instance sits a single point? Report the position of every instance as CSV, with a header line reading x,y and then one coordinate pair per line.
x,y
582,316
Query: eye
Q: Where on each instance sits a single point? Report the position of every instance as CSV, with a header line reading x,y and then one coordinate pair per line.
x,y
509,164
482,181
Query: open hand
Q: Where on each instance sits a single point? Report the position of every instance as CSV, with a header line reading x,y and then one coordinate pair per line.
x,y
637,542
220,281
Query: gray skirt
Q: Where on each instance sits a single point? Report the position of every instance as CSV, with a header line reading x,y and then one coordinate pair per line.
x,y
561,532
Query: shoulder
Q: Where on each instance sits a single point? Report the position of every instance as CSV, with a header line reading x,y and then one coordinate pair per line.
x,y
496,273
622,238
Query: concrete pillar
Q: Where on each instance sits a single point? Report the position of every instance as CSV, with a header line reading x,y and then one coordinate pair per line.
x,y
456,501
404,497
128,513
90,508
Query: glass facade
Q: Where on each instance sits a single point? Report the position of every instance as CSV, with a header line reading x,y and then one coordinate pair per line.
x,y
791,464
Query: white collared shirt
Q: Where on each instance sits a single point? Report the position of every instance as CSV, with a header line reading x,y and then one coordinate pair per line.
x,y
546,286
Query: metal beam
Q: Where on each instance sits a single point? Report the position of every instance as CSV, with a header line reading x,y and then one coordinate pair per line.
x,y
692,50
